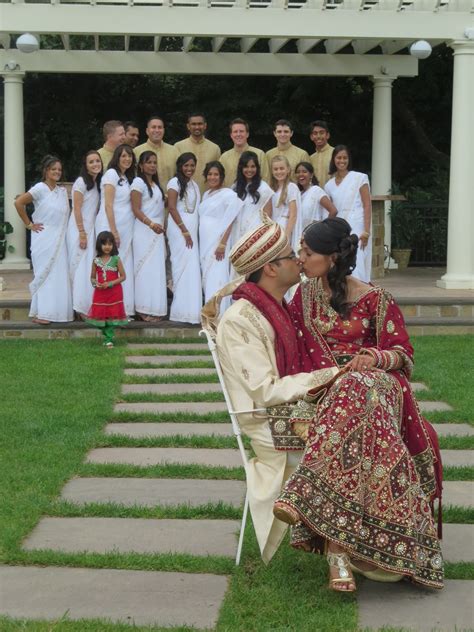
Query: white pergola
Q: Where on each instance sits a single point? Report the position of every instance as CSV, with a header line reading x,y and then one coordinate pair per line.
x,y
300,37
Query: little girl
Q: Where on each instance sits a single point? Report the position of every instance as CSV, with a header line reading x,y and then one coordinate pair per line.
x,y
286,201
107,274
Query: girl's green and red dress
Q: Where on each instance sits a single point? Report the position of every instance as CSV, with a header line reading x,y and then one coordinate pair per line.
x,y
107,304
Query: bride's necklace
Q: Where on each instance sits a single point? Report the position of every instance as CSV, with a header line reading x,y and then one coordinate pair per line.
x,y
325,316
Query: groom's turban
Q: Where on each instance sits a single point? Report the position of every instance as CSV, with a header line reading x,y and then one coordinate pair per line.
x,y
258,247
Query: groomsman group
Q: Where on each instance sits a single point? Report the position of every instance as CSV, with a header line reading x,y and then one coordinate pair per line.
x,y
116,133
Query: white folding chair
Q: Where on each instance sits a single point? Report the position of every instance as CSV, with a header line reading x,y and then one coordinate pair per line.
x,y
235,428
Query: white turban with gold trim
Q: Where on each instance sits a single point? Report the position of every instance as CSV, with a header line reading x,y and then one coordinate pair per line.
x,y
258,247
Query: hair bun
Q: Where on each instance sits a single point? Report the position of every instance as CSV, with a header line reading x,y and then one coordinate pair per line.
x,y
349,243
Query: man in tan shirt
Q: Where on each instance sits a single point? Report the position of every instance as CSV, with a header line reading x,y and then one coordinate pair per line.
x,y
283,131
166,155
114,135
197,143
322,156
132,133
239,133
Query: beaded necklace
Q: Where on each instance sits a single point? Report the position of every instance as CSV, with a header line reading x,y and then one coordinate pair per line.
x,y
185,200
313,295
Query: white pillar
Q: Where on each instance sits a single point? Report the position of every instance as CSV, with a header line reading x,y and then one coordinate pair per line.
x,y
460,268
14,170
381,180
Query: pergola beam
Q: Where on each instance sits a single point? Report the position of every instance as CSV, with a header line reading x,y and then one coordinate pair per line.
x,y
217,44
138,62
276,44
305,45
246,43
335,45
187,43
241,22
362,46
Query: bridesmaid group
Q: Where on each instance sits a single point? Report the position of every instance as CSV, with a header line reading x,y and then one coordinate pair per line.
x,y
196,231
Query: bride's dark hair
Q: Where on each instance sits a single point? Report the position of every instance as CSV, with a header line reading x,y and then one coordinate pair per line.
x,y
333,236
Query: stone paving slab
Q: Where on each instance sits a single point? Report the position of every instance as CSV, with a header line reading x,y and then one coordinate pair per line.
x,y
135,535
131,597
199,408
455,430
457,458
169,429
458,543
431,407
167,359
150,492
459,493
179,346
403,605
419,386
163,372
161,456
170,389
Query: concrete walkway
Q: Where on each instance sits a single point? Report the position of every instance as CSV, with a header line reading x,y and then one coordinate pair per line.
x,y
193,599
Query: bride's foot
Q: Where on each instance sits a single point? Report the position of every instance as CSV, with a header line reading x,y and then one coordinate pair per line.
x,y
40,321
374,572
341,578
285,513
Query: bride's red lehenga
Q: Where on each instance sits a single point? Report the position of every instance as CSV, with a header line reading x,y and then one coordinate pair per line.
x,y
371,468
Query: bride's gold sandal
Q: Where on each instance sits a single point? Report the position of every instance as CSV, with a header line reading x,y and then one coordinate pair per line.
x,y
342,563
377,574
285,513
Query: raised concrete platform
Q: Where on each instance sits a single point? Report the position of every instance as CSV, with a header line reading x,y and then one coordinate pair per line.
x,y
458,543
169,429
195,346
454,430
403,605
460,493
164,372
170,389
198,408
418,386
137,535
167,359
457,458
127,597
152,492
431,407
161,456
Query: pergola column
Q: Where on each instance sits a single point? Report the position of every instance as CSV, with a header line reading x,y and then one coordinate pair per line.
x,y
14,169
381,179
460,263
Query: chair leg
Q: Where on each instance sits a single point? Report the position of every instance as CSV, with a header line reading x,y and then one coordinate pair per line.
x,y
242,530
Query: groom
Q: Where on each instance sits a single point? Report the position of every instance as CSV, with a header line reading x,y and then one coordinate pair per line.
x,y
258,352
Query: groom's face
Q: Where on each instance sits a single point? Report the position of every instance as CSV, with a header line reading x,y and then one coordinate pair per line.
x,y
288,267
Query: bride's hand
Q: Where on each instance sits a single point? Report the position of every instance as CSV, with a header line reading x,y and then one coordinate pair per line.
x,y
361,362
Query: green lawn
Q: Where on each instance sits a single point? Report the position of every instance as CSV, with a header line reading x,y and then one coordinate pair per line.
x,y
56,397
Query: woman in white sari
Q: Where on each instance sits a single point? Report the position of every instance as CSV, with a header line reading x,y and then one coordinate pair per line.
x,y
182,232
315,202
115,214
149,251
350,193
80,232
255,194
50,289
218,209
286,200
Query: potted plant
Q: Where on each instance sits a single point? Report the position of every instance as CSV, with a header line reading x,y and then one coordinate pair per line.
x,y
405,225
5,229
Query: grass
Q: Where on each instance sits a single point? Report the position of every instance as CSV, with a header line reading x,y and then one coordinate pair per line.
x,y
118,470
195,364
464,473
174,397
458,515
176,441
170,379
456,443
445,364
169,352
83,625
169,417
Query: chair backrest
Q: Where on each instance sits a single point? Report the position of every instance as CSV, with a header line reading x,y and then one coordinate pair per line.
x,y
211,343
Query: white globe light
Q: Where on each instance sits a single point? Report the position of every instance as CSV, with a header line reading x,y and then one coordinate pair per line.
x,y
27,43
420,49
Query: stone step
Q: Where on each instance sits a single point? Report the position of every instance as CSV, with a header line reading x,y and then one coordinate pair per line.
x,y
162,456
457,458
419,386
170,389
167,359
172,346
458,543
164,372
169,429
402,605
135,535
127,597
460,493
431,407
198,408
152,492
454,430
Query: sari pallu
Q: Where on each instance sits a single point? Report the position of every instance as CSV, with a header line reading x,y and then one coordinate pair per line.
x,y
366,478
217,212
252,214
50,289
